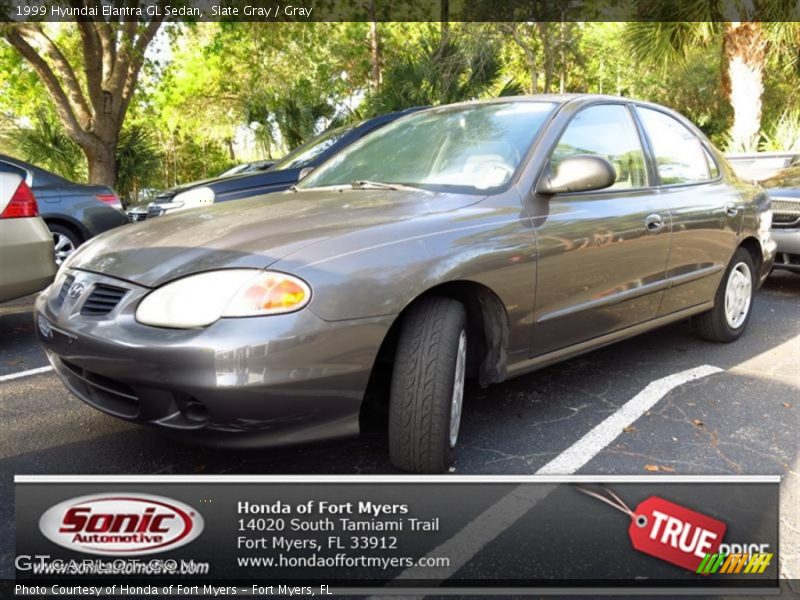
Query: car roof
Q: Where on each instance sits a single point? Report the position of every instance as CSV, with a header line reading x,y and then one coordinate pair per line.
x,y
37,172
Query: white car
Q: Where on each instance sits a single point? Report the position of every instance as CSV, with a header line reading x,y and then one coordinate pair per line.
x,y
27,262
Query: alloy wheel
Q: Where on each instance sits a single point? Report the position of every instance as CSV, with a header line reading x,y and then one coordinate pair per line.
x,y
63,247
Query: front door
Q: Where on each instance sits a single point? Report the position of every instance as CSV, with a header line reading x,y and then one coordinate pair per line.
x,y
601,255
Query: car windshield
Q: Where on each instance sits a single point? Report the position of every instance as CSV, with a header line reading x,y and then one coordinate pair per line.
x,y
303,155
469,148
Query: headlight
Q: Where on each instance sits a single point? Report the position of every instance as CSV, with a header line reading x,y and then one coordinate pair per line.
x,y
199,300
192,199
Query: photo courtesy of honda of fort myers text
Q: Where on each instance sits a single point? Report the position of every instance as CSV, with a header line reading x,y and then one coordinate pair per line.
x,y
375,298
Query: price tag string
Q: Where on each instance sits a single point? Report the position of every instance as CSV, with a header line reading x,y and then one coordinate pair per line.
x,y
614,502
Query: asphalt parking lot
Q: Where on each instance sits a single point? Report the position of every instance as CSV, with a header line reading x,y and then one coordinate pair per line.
x,y
740,417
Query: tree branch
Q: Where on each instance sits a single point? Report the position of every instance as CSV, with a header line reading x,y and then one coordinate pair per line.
x,y
136,62
50,80
63,69
92,57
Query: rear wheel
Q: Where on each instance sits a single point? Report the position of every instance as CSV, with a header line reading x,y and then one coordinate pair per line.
x,y
733,303
427,390
65,241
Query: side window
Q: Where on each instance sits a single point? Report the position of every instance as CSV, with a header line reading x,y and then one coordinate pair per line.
x,y
608,131
713,169
680,157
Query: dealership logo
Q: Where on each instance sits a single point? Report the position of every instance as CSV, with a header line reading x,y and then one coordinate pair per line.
x,y
121,524
740,562
76,290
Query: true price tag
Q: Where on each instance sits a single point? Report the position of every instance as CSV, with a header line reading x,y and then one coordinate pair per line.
x,y
668,531
674,533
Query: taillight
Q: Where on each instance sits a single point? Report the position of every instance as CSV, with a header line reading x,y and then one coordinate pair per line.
x,y
110,199
22,204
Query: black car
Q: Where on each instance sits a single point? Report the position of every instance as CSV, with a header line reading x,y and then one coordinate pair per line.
x,y
280,176
251,167
72,211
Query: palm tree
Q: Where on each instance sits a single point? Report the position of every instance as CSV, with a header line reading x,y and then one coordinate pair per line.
x,y
746,45
44,142
442,69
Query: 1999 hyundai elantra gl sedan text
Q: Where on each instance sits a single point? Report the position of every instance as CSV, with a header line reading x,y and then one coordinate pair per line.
x,y
480,240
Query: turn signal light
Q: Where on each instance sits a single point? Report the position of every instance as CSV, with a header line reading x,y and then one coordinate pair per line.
x,y
22,204
271,293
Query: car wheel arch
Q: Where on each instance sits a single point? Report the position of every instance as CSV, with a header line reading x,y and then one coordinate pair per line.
x,y
73,226
487,328
752,245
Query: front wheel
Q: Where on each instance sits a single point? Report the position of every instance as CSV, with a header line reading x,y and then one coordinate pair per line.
x,y
427,390
733,303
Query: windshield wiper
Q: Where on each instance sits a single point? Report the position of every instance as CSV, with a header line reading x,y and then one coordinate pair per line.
x,y
379,185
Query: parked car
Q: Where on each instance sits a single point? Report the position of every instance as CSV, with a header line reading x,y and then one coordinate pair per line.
x,y
251,167
784,189
72,211
26,247
480,240
280,176
758,166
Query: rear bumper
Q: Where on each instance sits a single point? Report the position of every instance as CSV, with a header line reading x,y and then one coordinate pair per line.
x,y
250,382
27,263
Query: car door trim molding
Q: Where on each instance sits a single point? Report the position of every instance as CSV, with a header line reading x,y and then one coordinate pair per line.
x,y
632,293
545,360
694,275
623,296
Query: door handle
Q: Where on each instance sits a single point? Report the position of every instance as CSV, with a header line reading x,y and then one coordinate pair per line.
x,y
654,223
731,209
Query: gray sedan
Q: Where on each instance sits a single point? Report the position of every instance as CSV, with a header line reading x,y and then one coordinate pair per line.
x,y
474,241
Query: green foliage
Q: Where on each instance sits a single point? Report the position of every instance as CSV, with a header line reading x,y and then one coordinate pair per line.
x,y
441,69
44,143
215,94
138,161
784,134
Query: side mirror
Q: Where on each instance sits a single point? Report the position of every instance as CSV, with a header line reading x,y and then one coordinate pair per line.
x,y
304,172
581,173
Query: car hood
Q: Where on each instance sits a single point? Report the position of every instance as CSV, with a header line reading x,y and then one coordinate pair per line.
x,y
253,233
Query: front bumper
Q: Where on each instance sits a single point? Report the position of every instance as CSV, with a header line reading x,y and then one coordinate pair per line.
x,y
788,248
239,382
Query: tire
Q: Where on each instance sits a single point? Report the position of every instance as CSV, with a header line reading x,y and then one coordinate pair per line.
x,y
728,319
427,387
65,240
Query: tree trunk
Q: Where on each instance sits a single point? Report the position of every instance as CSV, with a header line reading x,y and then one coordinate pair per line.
x,y
745,54
102,159
375,52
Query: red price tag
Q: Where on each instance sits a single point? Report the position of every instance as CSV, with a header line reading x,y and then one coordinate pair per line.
x,y
674,533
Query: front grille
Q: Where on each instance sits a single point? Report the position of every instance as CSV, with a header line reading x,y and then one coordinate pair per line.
x,y
62,293
102,300
135,217
785,212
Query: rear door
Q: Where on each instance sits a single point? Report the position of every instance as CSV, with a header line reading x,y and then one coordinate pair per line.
x,y
601,254
706,210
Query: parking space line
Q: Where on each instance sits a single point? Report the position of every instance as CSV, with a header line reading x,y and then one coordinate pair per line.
x,y
465,544
25,373
586,448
